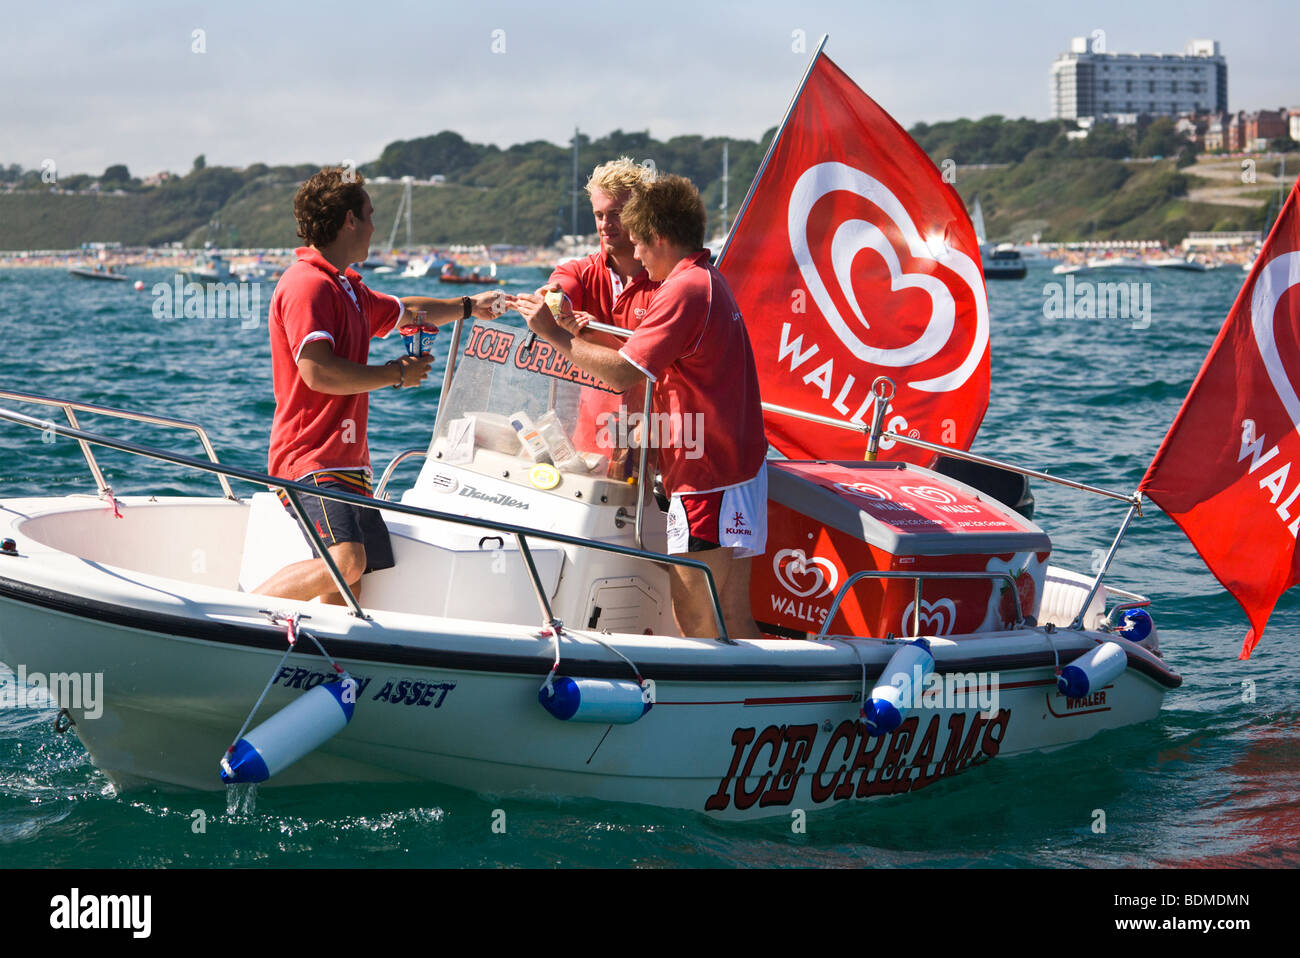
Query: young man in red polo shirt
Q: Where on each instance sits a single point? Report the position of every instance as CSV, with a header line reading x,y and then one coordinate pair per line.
x,y
611,286
693,345
322,318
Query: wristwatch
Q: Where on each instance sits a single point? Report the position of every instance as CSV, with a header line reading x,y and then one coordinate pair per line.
x,y
468,304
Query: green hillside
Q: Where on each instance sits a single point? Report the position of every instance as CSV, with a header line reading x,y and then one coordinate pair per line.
x,y
1116,184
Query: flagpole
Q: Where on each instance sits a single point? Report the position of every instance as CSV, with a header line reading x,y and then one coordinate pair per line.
x,y
771,148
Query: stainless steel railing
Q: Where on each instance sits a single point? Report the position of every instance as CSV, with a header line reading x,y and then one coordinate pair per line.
x,y
294,489
874,434
918,577
396,461
68,408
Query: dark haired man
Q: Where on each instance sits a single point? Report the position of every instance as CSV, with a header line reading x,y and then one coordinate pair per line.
x,y
693,345
322,318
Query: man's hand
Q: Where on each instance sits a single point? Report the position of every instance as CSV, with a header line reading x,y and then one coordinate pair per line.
x,y
533,305
575,321
533,308
414,369
488,305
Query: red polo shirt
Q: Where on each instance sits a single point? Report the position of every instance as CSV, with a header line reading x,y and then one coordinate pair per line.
x,y
312,431
693,344
589,283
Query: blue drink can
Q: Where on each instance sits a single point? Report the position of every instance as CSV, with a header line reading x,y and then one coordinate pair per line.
x,y
418,339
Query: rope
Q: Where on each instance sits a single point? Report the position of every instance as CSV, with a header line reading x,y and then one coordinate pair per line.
x,y
548,684
857,653
292,632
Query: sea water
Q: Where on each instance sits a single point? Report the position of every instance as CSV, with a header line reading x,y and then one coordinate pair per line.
x,y
1214,780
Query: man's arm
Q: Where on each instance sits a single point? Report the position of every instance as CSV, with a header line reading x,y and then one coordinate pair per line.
x,y
325,372
439,312
601,361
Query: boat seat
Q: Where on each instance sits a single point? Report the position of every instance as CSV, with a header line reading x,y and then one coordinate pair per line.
x,y
1063,595
272,540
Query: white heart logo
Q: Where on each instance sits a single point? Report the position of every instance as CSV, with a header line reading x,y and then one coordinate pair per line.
x,y
823,573
931,494
937,618
864,489
1277,276
853,237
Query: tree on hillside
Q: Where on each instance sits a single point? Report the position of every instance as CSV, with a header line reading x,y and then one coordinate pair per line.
x,y
1105,140
200,162
447,153
1160,139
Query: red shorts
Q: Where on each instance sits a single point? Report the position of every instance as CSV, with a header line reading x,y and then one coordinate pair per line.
x,y
733,518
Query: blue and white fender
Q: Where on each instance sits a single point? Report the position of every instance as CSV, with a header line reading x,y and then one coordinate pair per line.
x,y
1137,626
1092,670
303,725
617,702
899,687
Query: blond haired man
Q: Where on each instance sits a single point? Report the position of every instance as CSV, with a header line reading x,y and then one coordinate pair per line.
x,y
693,346
609,286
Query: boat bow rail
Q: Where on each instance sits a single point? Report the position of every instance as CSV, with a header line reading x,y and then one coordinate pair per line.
x,y
295,489
70,408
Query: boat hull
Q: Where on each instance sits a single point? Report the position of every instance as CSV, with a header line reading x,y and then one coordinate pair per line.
x,y
749,731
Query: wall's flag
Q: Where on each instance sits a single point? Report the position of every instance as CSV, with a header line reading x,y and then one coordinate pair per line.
x,y
852,259
1228,472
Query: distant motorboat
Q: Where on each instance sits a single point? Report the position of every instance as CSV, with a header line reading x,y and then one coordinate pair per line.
x,y
259,273
419,267
211,269
1117,262
1004,262
451,274
1176,262
1062,269
998,262
97,272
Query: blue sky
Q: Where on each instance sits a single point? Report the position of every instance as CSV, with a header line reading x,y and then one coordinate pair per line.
x,y
94,84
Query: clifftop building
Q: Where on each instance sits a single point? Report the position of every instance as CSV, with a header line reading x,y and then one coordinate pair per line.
x,y
1088,82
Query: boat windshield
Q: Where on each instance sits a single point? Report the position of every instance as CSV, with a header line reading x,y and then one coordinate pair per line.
x,y
515,394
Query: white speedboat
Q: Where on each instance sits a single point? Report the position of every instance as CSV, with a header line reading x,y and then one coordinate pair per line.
x,y
1002,262
1180,263
998,261
417,267
507,567
1117,262
524,642
97,272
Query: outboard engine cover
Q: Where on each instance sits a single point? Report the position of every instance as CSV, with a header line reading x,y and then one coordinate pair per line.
x,y
828,520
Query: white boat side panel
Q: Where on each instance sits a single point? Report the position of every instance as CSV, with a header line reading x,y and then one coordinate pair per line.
x,y
194,540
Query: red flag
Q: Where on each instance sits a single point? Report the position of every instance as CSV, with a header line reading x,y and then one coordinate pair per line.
x,y
852,260
1226,472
